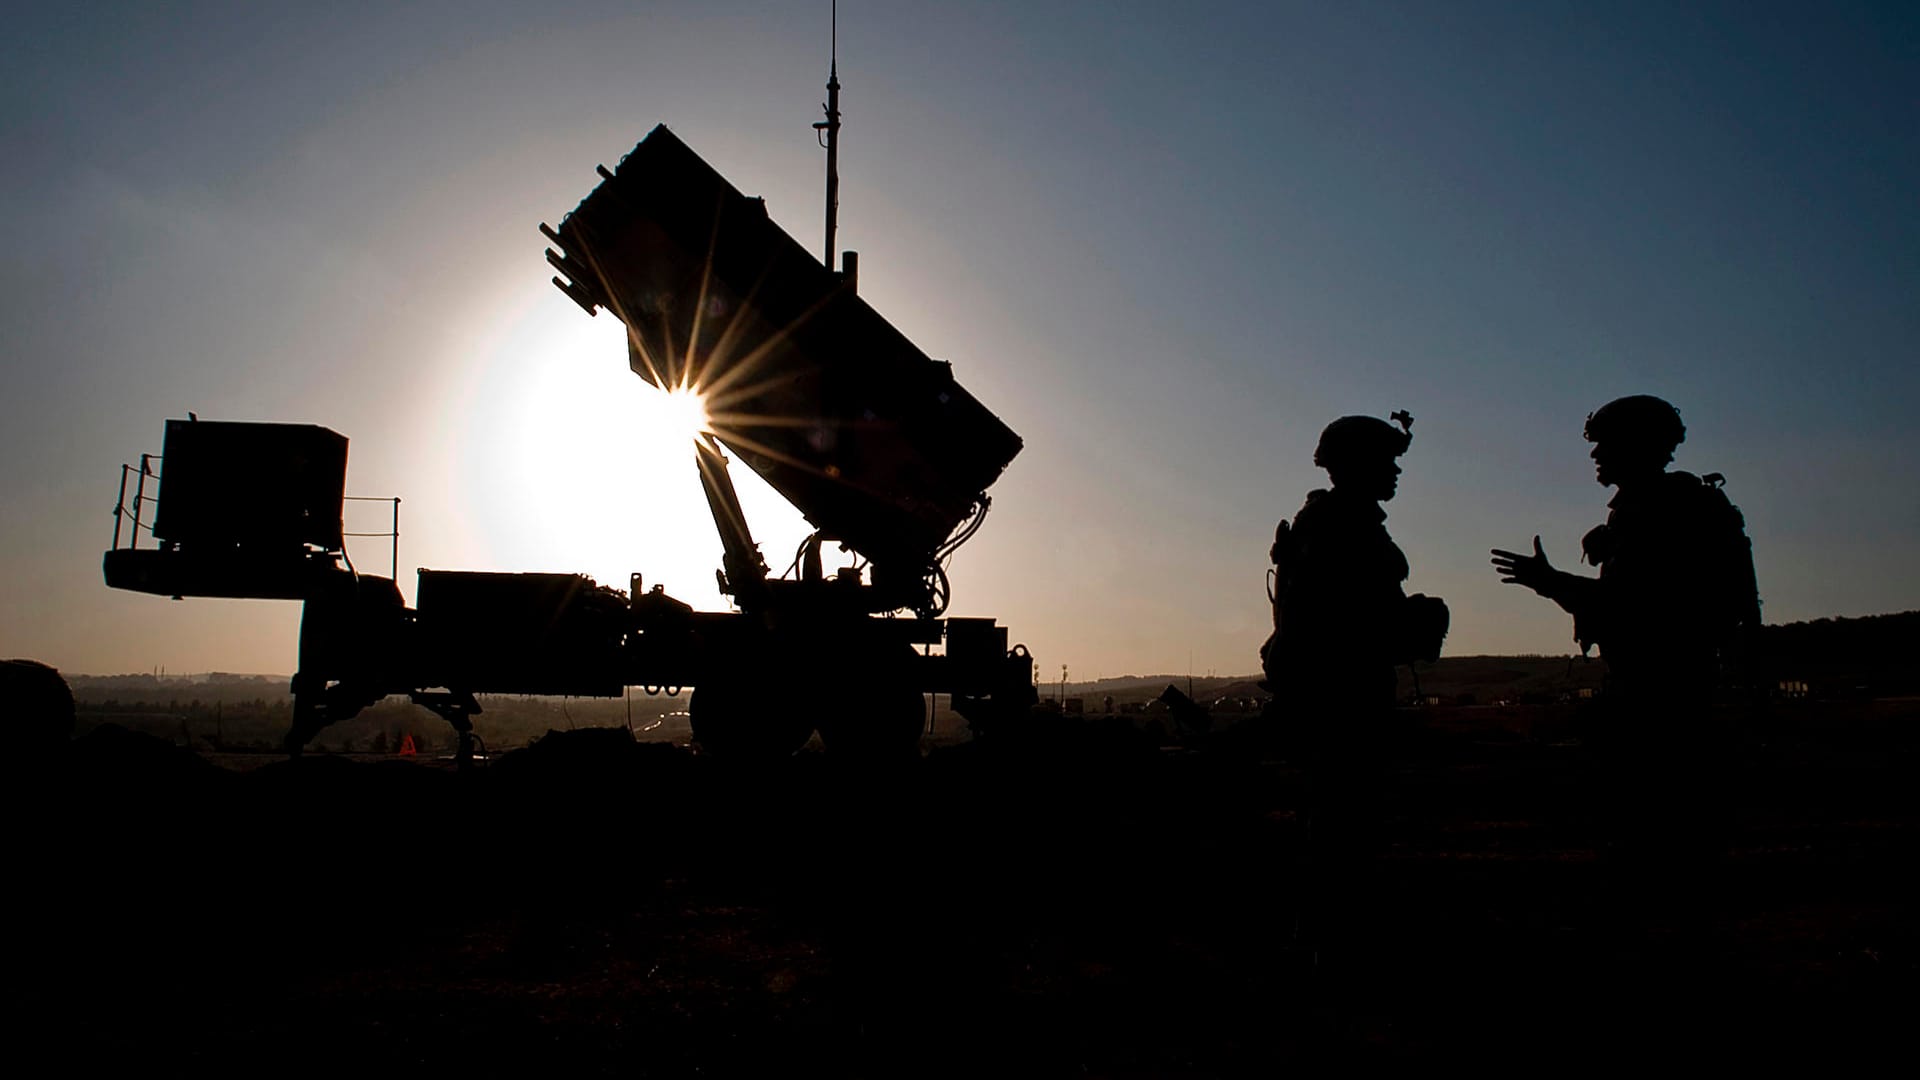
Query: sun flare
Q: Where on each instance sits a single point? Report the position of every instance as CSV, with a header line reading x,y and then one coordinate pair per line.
x,y
676,416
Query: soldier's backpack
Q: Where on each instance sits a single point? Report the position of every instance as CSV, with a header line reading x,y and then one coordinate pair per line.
x,y
1280,554
1736,587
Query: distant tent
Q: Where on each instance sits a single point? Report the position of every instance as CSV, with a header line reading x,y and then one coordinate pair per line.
x,y
406,746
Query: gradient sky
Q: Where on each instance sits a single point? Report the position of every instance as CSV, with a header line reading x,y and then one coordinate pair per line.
x,y
1165,242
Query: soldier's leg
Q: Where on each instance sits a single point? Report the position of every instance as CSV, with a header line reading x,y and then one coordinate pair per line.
x,y
1343,839
1658,771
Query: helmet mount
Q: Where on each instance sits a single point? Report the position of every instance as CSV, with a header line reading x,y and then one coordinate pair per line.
x,y
1358,439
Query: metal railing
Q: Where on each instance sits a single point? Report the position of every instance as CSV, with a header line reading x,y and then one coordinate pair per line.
x,y
142,502
140,497
393,532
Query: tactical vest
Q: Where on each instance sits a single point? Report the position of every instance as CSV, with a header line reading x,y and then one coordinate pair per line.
x,y
1676,572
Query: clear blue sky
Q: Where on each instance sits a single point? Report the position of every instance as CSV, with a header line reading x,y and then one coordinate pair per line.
x,y
1166,242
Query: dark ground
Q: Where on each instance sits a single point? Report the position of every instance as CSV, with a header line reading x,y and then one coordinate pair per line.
x,y
1073,905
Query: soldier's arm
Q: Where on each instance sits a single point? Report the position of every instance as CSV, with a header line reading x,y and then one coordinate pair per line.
x,y
1572,592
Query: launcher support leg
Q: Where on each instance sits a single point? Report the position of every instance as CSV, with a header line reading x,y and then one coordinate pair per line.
x,y
457,709
315,708
309,716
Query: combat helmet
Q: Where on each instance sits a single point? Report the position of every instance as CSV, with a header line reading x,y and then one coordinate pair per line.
x,y
1360,438
1641,419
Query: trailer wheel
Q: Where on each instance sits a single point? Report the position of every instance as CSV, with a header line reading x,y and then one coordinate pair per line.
x,y
743,719
882,720
876,727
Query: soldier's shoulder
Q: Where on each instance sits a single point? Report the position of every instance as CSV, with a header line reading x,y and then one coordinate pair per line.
x,y
1315,510
1706,496
1332,514
1685,488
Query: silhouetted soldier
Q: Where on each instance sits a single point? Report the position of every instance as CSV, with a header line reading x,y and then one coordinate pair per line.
x,y
1675,593
1341,623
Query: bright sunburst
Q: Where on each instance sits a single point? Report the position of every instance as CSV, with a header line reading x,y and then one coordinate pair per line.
x,y
676,416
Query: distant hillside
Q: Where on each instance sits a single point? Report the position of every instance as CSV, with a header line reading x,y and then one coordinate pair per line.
x,y
1875,654
1481,679
1131,688
1489,680
215,686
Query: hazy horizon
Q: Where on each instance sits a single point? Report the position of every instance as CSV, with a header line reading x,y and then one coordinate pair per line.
x,y
1165,245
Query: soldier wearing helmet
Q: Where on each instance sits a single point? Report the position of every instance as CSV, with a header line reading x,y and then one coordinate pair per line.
x,y
1361,440
1674,596
1676,568
1342,622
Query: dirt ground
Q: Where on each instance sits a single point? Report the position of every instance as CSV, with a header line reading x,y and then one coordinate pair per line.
x,y
1072,901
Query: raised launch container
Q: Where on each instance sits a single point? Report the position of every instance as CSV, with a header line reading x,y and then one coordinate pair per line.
x,y
869,437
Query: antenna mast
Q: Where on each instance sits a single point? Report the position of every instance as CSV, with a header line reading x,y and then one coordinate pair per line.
x,y
831,138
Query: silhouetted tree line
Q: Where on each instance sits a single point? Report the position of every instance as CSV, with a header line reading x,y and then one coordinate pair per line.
x,y
1874,655
152,689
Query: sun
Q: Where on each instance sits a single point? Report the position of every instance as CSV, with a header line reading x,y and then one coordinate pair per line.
x,y
573,463
676,416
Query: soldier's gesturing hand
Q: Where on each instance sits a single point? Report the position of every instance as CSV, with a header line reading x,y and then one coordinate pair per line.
x,y
1533,571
